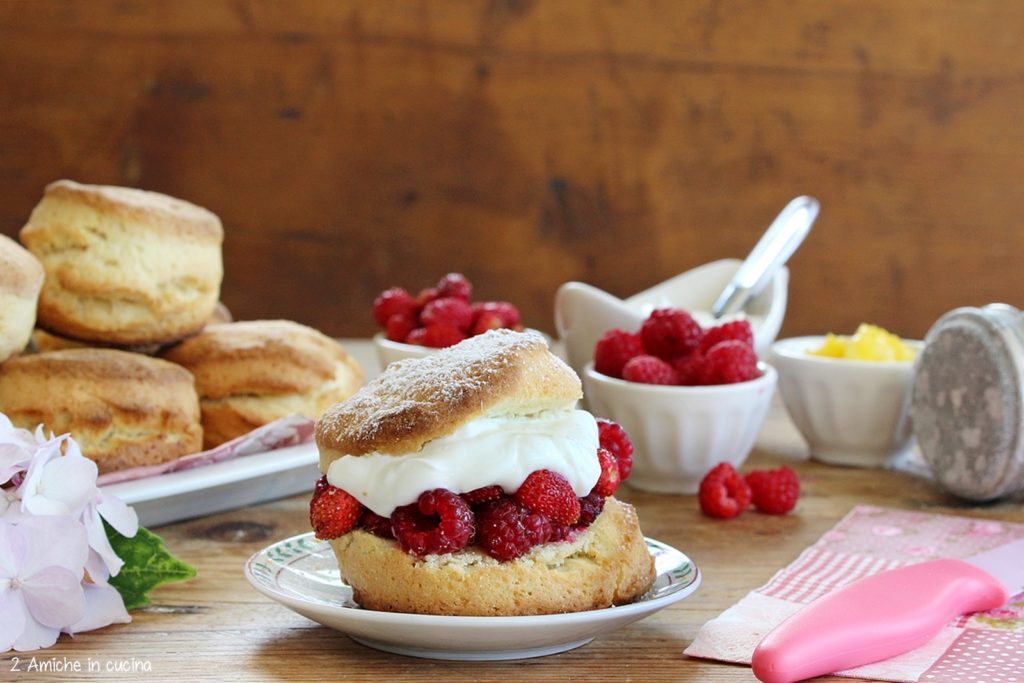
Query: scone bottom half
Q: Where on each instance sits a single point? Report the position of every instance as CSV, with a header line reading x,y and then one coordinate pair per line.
x,y
538,549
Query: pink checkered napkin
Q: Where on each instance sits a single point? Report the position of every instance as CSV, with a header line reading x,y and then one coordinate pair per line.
x,y
981,648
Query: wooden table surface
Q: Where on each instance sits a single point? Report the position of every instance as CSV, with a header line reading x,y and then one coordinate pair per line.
x,y
216,627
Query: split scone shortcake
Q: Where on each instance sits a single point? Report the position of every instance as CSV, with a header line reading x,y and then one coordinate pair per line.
x,y
466,483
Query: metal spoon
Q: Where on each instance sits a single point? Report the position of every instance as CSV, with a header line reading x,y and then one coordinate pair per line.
x,y
774,248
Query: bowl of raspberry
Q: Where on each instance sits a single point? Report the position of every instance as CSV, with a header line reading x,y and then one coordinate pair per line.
x,y
583,312
436,318
689,396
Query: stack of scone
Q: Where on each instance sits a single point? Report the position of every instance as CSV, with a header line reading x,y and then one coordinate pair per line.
x,y
115,277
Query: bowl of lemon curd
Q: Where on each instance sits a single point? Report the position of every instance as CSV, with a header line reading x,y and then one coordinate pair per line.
x,y
848,395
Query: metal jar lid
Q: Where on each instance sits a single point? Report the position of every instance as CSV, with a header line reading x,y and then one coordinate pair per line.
x,y
967,401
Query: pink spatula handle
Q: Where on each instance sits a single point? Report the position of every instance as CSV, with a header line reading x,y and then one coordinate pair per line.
x,y
875,618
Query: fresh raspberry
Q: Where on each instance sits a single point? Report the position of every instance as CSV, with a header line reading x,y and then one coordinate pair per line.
x,y
738,330
614,349
375,524
394,301
416,336
485,322
591,506
482,495
439,336
425,297
612,437
560,532
438,522
455,285
609,479
539,528
649,370
501,531
723,492
774,491
551,494
670,332
689,369
729,362
332,511
508,313
447,311
398,327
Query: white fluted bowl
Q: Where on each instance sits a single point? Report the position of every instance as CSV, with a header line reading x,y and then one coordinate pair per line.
x,y
681,432
851,412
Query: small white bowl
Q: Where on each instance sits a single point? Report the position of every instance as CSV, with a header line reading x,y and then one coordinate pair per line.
x,y
851,412
389,351
681,432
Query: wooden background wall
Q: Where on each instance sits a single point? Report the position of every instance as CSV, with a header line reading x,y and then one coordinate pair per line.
x,y
349,146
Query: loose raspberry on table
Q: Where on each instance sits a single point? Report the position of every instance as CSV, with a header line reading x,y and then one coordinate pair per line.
x,y
649,370
483,494
439,336
551,494
670,332
438,522
613,437
736,330
508,312
614,349
394,301
689,369
729,362
398,327
723,492
447,311
375,524
501,531
332,511
456,285
774,492
609,479
591,506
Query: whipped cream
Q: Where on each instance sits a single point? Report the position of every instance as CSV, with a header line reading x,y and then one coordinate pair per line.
x,y
488,450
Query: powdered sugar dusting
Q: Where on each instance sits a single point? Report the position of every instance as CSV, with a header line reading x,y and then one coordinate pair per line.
x,y
410,391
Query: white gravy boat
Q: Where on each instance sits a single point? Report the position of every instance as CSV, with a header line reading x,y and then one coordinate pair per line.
x,y
583,313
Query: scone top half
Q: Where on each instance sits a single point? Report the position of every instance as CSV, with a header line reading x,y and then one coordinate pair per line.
x,y
415,401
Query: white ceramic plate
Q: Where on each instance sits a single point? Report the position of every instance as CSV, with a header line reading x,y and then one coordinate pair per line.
x,y
301,573
245,480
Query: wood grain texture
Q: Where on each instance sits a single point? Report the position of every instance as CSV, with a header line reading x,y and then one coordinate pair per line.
x,y
216,627
351,146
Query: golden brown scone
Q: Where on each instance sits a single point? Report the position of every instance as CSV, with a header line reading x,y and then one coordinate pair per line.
x,y
124,266
421,399
124,409
608,564
21,278
43,341
254,372
498,374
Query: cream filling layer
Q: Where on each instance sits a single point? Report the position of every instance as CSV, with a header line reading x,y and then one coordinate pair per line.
x,y
500,450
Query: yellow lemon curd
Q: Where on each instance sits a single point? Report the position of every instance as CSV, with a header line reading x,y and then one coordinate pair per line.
x,y
869,342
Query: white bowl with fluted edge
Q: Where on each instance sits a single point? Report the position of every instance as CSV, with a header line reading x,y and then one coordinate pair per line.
x,y
680,432
389,351
850,412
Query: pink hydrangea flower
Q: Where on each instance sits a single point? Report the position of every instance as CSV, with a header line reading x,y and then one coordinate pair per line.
x,y
55,558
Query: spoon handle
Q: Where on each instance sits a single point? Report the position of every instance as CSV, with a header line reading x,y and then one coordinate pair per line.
x,y
774,248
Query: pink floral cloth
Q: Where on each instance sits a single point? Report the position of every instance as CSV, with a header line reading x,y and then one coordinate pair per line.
x,y
985,647
287,431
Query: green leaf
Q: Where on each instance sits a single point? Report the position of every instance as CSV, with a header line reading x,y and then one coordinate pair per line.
x,y
147,564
